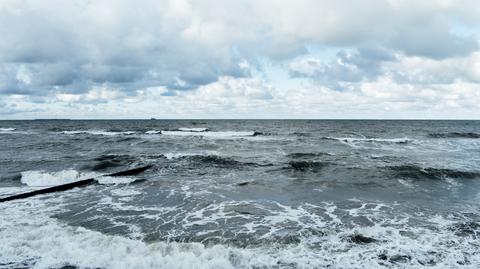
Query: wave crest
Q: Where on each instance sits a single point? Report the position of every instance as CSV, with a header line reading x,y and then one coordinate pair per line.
x,y
306,166
98,132
42,178
417,172
220,134
369,140
193,129
454,135
7,130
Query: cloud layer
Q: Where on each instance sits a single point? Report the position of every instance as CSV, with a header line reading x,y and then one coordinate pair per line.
x,y
262,58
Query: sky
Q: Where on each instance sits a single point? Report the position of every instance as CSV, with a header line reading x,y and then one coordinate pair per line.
x,y
370,59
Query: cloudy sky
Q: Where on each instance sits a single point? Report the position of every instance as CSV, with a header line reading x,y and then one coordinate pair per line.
x,y
239,59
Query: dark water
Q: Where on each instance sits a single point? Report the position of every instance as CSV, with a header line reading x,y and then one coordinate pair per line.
x,y
244,194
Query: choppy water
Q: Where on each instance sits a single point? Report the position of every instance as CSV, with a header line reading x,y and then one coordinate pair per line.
x,y
242,194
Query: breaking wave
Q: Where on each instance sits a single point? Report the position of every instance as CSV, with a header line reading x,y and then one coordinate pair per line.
x,y
176,155
193,129
41,178
7,130
45,179
369,140
98,132
152,132
454,135
220,134
319,239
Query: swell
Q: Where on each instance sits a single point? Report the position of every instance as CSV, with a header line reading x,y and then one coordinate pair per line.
x,y
454,135
104,162
306,166
215,161
429,173
305,155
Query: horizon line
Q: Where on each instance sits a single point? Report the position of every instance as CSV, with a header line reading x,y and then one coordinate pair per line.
x,y
160,119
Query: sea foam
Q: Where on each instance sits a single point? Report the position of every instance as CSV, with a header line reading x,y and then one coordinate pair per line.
x,y
7,130
43,179
221,134
98,132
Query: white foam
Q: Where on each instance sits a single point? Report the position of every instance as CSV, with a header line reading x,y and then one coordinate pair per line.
x,y
224,134
406,183
98,132
114,180
7,130
125,192
152,132
193,129
176,155
53,244
13,131
41,178
30,235
384,140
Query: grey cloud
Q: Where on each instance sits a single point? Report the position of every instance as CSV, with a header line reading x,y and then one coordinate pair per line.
x,y
349,66
71,46
434,43
71,52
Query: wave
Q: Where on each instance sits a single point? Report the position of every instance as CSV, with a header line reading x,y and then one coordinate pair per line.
x,y
37,178
41,178
152,132
31,237
109,161
417,172
209,159
192,129
176,155
14,131
301,134
454,135
216,161
306,166
220,134
369,140
98,132
466,229
304,155
7,130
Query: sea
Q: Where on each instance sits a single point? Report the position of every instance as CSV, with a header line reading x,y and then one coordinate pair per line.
x,y
241,194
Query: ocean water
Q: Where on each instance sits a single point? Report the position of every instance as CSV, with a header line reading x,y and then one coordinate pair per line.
x,y
242,194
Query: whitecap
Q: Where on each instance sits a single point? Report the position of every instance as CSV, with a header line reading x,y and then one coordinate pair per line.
x,y
221,134
152,132
176,155
98,132
380,140
7,130
42,178
193,129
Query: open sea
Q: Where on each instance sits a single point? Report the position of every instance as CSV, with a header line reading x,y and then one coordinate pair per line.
x,y
242,194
